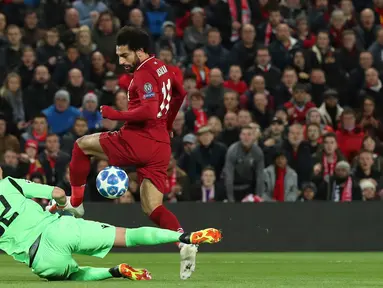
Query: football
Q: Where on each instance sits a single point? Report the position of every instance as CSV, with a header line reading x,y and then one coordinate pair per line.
x,y
112,182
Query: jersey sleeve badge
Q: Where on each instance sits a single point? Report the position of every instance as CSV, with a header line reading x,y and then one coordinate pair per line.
x,y
148,89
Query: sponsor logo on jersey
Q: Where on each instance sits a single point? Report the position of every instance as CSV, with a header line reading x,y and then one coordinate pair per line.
x,y
148,88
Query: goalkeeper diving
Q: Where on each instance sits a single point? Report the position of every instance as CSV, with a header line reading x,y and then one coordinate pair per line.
x,y
46,241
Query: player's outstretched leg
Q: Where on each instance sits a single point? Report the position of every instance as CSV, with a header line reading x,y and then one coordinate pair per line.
x,y
120,271
151,202
79,167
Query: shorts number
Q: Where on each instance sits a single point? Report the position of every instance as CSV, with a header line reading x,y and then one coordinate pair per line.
x,y
4,220
164,107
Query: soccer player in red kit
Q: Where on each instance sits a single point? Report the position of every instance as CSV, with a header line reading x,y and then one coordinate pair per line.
x,y
154,96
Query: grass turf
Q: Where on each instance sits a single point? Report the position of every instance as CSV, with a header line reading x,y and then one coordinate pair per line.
x,y
224,270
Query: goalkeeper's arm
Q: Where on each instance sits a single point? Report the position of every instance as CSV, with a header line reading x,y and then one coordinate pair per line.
x,y
35,190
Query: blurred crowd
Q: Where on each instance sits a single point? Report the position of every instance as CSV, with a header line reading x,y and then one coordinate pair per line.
x,y
285,98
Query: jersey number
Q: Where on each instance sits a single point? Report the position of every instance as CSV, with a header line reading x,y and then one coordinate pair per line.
x,y
4,220
164,107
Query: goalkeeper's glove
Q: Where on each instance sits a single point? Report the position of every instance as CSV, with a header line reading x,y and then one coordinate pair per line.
x,y
77,212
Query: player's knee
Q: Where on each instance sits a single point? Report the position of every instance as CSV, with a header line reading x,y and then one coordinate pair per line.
x,y
86,143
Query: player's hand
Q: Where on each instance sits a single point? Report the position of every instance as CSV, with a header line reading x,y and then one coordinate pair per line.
x,y
106,111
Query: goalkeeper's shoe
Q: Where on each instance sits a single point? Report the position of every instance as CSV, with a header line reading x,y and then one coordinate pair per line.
x,y
126,271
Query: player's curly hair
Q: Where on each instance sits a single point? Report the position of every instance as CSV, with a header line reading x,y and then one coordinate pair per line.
x,y
135,38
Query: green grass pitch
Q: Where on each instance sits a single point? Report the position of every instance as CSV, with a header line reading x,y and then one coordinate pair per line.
x,y
224,270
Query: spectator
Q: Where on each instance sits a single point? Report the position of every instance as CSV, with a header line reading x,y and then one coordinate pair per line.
x,y
166,55
217,13
257,86
207,153
273,137
61,116
313,137
89,10
283,47
26,69
37,131
195,35
90,112
177,185
368,191
365,170
169,40
230,104
189,143
199,68
77,87
12,93
325,160
366,31
53,160
349,135
264,68
217,55
214,92
309,190
374,89
244,166
313,116
44,87
15,165
109,89
156,13
376,49
31,150
104,36
235,83
330,110
298,153
136,19
301,66
195,117
98,69
209,190
337,26
244,118
11,55
3,33
71,26
244,51
260,112
349,53
71,61
370,144
281,182
7,141
32,34
347,7
284,91
304,33
178,134
319,15
230,132
341,186
290,10
51,50
84,43
369,120
318,86
80,128
267,31
216,125
122,9
299,105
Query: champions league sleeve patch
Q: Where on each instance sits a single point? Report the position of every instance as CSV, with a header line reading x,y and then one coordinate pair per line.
x,y
148,89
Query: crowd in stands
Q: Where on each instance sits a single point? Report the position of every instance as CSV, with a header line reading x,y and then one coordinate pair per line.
x,y
285,98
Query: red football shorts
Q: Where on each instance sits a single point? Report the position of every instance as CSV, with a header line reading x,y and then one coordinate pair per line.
x,y
150,157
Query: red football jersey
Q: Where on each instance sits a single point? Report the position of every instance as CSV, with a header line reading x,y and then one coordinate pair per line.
x,y
151,82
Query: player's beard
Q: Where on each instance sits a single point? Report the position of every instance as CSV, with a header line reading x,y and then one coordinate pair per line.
x,y
133,67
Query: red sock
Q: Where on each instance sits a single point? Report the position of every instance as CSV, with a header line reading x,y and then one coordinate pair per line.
x,y
79,169
165,219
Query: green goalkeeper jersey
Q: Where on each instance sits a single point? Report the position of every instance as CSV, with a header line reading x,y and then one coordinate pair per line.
x,y
22,220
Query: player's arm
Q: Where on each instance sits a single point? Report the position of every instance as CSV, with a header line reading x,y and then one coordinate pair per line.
x,y
35,190
148,94
178,96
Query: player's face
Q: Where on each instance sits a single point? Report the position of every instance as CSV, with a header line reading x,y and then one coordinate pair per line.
x,y
127,58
